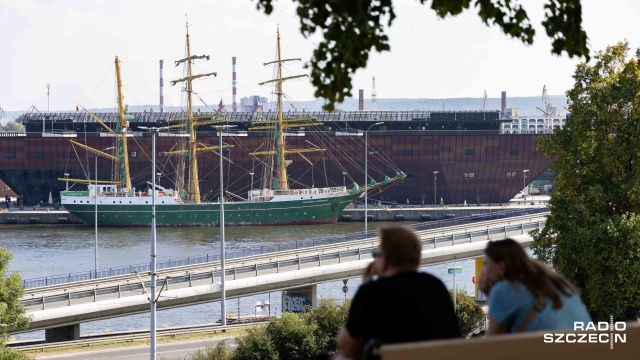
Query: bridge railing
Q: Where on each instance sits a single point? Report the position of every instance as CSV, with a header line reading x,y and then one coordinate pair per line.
x,y
265,249
257,268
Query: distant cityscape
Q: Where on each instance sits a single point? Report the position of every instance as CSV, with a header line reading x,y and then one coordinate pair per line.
x,y
528,106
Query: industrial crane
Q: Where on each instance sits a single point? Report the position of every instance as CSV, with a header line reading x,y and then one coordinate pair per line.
x,y
548,108
485,101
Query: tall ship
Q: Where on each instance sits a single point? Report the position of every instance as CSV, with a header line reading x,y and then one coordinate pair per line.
x,y
477,156
116,202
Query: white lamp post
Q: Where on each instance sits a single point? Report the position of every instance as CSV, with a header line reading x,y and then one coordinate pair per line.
x,y
95,193
66,181
251,191
152,265
524,182
223,310
344,179
435,183
366,177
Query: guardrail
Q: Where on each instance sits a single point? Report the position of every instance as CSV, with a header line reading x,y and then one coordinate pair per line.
x,y
299,244
137,335
263,265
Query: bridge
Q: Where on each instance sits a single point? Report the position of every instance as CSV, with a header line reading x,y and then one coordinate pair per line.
x,y
59,309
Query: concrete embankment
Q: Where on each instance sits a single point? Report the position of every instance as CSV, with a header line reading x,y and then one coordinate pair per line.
x,y
37,215
429,213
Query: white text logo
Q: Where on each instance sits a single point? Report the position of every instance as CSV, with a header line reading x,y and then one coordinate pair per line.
x,y
600,332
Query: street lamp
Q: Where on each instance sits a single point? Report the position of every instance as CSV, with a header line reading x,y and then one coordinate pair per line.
x,y
344,177
435,183
251,191
95,193
223,310
152,265
366,176
524,182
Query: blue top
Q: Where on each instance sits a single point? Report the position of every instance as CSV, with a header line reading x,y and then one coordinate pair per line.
x,y
510,302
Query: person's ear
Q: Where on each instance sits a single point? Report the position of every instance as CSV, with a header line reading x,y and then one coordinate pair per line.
x,y
384,264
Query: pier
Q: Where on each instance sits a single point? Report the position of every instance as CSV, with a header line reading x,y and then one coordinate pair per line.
x,y
37,215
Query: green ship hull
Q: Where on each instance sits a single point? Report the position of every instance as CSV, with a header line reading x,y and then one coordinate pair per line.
x,y
295,212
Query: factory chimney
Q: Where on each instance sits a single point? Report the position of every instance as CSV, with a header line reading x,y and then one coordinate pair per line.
x,y
360,99
234,84
161,88
504,101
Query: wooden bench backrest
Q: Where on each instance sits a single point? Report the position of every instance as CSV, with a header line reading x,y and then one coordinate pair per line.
x,y
521,346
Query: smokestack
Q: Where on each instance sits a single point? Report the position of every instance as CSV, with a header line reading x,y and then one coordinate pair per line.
x,y
373,91
234,83
161,88
504,101
360,99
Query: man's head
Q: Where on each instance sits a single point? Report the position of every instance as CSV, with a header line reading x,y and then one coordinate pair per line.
x,y
400,249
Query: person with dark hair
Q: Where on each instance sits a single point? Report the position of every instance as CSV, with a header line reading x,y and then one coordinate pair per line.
x,y
525,294
396,303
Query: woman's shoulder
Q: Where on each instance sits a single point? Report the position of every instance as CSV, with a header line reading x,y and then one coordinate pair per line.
x,y
508,286
509,290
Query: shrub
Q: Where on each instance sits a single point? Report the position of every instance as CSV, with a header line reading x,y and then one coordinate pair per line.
x,y
469,313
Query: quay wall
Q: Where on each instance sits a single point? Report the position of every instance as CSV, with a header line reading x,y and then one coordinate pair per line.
x,y
414,213
24,216
36,215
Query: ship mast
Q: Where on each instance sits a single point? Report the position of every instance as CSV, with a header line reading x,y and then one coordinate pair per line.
x,y
193,168
123,131
281,163
191,123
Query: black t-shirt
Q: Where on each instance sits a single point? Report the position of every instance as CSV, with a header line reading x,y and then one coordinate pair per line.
x,y
409,306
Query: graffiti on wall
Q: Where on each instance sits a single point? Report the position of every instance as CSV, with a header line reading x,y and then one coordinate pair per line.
x,y
295,301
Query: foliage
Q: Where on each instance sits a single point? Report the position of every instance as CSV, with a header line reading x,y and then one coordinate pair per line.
x,y
255,345
12,314
295,336
222,351
352,29
11,354
328,316
592,235
13,127
469,313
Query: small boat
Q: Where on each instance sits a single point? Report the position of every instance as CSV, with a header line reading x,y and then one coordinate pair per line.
x,y
275,202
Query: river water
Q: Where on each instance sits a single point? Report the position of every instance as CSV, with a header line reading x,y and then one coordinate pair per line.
x,y
43,250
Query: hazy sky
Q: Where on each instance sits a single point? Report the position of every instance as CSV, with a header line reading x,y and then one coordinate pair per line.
x,y
71,45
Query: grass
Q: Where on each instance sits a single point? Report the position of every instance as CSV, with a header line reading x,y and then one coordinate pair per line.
x,y
128,343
